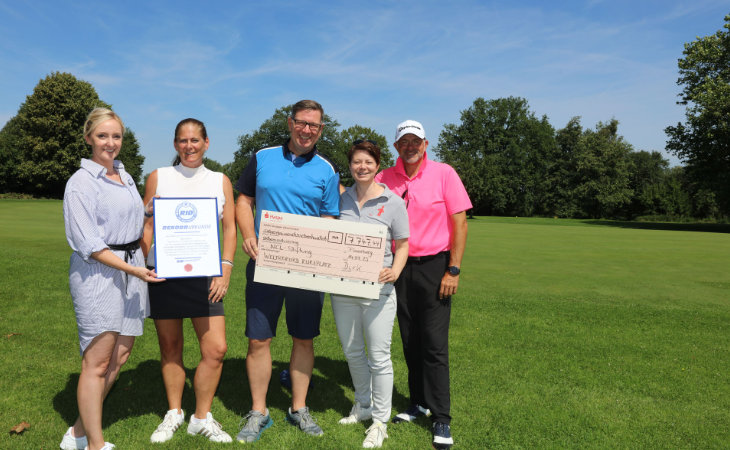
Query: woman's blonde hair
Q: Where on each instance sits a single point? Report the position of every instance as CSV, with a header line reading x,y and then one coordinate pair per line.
x,y
100,115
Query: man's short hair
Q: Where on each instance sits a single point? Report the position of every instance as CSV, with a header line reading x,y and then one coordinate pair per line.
x,y
301,105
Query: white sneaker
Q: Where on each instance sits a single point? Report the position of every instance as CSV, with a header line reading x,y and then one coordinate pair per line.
x,y
208,428
357,414
169,425
69,442
376,434
107,446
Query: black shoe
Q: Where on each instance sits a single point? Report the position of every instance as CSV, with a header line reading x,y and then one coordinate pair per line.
x,y
412,413
442,436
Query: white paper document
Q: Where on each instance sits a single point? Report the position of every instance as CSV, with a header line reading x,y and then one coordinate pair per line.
x,y
319,254
186,237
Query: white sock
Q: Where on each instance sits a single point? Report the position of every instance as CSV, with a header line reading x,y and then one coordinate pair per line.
x,y
194,419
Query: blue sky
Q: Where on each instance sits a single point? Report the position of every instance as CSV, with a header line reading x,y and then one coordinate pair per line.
x,y
233,63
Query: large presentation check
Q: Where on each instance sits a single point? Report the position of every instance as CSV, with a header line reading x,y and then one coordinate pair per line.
x,y
319,254
186,237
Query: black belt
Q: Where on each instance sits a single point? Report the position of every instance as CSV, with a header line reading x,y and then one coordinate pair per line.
x,y
128,250
419,259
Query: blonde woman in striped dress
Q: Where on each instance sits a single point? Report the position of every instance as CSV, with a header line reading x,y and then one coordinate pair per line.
x,y
103,215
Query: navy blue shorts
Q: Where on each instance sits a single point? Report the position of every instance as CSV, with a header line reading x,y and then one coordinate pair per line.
x,y
263,308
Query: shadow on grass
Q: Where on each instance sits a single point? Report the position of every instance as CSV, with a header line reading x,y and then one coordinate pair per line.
x,y
668,226
330,382
139,391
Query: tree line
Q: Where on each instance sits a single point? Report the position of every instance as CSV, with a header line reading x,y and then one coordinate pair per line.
x,y
511,161
516,164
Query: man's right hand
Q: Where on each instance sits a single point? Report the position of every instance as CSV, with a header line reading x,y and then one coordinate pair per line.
x,y
251,247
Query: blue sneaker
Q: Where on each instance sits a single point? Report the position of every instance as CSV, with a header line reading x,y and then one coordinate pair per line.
x,y
412,413
256,423
442,436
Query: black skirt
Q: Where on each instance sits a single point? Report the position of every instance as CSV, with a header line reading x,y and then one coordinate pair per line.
x,y
179,298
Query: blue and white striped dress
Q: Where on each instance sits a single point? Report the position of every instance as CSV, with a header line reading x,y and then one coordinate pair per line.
x,y
98,211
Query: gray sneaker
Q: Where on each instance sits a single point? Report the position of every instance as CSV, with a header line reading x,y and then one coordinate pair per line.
x,y
256,423
304,421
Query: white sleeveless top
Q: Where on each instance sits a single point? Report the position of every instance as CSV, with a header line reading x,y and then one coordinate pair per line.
x,y
181,181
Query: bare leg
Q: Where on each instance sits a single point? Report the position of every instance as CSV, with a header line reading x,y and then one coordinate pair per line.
x,y
300,370
91,389
170,338
122,350
211,333
258,368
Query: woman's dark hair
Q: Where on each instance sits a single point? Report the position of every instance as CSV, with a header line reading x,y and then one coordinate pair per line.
x,y
191,121
366,146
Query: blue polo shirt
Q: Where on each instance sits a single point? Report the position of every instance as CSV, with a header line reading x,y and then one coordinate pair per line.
x,y
307,185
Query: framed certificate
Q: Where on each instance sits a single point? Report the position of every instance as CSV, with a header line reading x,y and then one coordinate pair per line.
x,y
319,254
186,237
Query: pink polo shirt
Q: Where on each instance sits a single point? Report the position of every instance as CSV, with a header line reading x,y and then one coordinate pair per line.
x,y
434,194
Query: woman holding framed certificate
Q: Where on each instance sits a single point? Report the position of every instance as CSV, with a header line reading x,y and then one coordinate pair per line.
x,y
197,298
362,321
103,216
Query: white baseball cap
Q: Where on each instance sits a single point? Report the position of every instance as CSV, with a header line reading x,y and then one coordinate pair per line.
x,y
409,127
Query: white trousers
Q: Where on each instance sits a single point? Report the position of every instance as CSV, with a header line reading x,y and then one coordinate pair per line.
x,y
360,321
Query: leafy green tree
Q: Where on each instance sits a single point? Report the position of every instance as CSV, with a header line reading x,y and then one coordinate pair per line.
x,y
214,165
676,199
702,142
344,142
564,174
45,138
333,143
502,153
9,157
603,172
647,171
129,156
274,131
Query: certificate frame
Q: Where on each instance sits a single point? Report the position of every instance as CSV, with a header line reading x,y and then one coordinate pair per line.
x,y
186,237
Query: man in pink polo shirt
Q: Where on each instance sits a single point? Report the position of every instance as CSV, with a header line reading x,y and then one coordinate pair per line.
x,y
437,202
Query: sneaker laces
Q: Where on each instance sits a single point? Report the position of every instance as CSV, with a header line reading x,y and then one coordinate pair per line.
x,y
168,422
306,419
253,420
217,427
376,434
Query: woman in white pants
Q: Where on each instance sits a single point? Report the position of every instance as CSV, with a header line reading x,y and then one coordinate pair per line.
x,y
360,320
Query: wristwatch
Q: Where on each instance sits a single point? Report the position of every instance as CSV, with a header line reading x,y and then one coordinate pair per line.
x,y
454,270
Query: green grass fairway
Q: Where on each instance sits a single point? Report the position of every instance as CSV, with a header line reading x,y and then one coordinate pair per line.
x,y
564,334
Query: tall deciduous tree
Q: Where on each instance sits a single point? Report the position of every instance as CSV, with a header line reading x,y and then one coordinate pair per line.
x,y
647,174
703,141
129,156
502,153
333,143
44,141
344,142
274,131
564,173
603,171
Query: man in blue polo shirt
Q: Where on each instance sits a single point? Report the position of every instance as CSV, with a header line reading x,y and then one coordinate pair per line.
x,y
292,178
